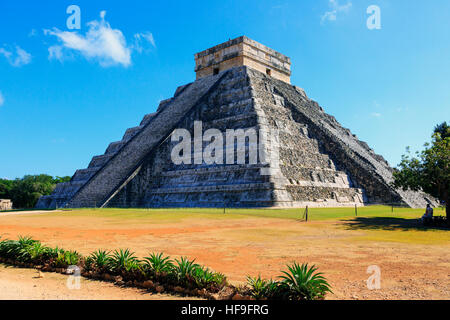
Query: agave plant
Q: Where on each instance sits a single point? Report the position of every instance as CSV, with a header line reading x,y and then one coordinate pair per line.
x,y
9,249
35,252
262,288
220,279
89,264
123,260
184,269
304,282
26,241
101,259
54,252
204,277
14,249
66,258
158,264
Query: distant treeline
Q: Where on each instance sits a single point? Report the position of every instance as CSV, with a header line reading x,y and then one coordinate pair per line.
x,y
26,191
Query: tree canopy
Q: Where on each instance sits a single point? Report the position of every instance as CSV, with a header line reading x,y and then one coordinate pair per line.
x,y
26,191
429,170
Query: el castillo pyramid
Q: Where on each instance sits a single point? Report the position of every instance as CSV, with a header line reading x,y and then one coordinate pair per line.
x,y
241,84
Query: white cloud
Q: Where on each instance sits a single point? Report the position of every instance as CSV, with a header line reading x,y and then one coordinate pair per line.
x,y
32,33
143,40
2,99
336,8
17,57
55,52
101,43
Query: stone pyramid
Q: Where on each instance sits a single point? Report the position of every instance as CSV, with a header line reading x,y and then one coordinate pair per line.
x,y
240,84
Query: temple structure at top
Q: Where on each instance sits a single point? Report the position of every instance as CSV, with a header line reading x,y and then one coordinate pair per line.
x,y
243,51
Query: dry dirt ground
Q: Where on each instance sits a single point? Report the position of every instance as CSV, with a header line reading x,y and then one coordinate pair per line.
x,y
25,284
414,262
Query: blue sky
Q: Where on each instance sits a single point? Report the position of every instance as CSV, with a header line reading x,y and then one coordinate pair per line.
x,y
64,97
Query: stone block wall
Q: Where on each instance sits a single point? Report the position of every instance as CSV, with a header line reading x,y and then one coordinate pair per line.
x,y
321,163
242,51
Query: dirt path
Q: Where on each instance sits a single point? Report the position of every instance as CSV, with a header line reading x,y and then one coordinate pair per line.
x,y
414,264
30,212
24,284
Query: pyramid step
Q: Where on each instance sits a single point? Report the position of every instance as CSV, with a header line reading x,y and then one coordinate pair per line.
x,y
163,104
180,89
321,193
67,189
220,121
85,174
116,173
211,169
147,118
99,161
241,106
185,178
257,197
114,147
131,132
235,95
214,188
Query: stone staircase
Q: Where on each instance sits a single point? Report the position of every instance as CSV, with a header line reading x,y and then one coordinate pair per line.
x,y
64,192
320,162
240,103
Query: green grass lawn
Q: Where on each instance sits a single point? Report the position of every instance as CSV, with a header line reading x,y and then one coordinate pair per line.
x,y
373,223
314,214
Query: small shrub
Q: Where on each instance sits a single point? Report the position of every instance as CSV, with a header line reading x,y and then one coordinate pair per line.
x,y
157,264
17,249
8,249
184,270
26,241
99,260
261,288
35,253
54,252
303,282
66,258
123,261
203,277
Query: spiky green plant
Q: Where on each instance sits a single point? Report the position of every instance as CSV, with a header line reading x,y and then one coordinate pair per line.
x,y
9,249
66,258
123,260
304,282
158,264
54,252
17,249
35,253
184,269
26,241
262,288
219,279
101,259
204,277
89,264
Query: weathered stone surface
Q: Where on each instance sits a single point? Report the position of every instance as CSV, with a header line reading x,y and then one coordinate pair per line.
x,y
243,51
321,163
6,204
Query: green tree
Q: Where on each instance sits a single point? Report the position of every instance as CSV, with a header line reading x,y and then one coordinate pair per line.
x,y
429,170
25,192
5,188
